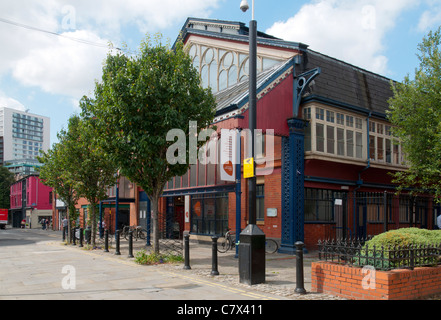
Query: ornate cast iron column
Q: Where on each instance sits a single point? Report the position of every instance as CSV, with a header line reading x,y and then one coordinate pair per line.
x,y
293,150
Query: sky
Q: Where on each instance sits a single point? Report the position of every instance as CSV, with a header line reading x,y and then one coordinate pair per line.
x,y
52,51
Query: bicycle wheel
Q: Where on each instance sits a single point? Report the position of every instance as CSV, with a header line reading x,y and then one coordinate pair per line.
x,y
124,232
271,246
223,245
142,234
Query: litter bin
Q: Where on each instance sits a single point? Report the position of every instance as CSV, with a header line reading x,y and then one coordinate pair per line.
x,y
252,255
87,235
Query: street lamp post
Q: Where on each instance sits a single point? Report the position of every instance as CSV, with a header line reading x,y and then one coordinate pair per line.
x,y
252,239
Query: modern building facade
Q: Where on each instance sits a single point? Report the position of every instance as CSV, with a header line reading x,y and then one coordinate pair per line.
x,y
23,137
325,155
31,200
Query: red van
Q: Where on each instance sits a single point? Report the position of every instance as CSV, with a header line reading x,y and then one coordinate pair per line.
x,y
3,218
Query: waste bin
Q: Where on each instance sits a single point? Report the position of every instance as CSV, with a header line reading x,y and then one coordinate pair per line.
x,y
87,235
252,255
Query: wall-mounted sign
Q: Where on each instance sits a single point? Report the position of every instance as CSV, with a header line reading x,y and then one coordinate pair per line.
x,y
187,208
271,212
228,155
248,168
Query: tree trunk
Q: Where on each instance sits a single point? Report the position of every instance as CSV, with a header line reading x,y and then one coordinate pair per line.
x,y
69,229
154,208
93,220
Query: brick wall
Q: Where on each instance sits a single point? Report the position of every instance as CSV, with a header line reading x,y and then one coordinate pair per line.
x,y
352,283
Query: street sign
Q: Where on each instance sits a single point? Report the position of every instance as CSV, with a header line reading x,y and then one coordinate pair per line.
x,y
248,168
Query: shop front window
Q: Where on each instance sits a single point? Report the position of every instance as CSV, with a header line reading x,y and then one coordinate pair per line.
x,y
209,214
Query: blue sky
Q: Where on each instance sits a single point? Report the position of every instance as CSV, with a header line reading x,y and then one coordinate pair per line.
x,y
48,73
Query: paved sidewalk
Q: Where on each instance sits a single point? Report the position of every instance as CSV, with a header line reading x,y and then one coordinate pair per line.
x,y
280,276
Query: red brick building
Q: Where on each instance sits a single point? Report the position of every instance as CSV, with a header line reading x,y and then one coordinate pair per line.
x,y
326,174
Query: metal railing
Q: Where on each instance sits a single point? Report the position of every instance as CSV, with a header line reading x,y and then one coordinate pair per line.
x,y
359,253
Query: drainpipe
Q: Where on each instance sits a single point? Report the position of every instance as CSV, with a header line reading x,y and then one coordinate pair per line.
x,y
360,181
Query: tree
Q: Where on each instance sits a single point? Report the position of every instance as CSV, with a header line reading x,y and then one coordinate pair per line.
x,y
415,112
139,100
76,167
94,173
6,180
57,171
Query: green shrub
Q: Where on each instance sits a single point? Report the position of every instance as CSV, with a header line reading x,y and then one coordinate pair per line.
x,y
386,257
142,257
406,237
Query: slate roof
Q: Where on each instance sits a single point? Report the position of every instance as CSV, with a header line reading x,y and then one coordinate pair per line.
x,y
346,85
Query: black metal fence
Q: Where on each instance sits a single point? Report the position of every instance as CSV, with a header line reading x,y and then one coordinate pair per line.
x,y
362,214
170,238
357,252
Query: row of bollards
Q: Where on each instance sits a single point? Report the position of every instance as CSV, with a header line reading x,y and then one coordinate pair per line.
x,y
106,241
214,260
300,287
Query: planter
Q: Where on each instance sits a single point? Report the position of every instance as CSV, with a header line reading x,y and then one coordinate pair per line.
x,y
368,284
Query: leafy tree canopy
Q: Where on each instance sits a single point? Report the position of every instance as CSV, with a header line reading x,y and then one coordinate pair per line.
x,y
415,110
139,100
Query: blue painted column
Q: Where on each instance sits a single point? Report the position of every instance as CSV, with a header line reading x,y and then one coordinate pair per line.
x,y
238,192
293,168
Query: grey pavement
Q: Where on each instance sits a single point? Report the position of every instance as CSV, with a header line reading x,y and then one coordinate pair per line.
x,y
36,264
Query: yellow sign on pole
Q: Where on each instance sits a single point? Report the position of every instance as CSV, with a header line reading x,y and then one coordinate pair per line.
x,y
248,168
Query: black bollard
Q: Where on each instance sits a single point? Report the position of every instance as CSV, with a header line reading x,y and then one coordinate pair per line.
x,y
81,237
117,252
106,240
214,271
187,252
130,244
300,288
75,236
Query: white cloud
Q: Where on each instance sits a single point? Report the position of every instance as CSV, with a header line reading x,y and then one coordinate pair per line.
x,y
61,66
350,30
9,102
430,18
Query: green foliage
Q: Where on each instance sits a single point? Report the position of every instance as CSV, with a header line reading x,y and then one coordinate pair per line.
x,y
406,237
138,101
6,180
415,112
77,167
59,167
142,257
388,245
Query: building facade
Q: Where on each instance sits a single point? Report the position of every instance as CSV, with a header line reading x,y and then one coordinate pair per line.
x,y
325,150
31,200
23,137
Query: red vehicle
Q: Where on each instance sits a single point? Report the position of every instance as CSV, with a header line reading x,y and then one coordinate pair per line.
x,y
3,218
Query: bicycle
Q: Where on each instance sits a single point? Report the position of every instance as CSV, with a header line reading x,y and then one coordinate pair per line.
x,y
124,232
137,232
271,246
227,242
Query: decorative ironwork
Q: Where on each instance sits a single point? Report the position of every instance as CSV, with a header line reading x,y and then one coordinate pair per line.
x,y
293,186
357,252
170,240
301,82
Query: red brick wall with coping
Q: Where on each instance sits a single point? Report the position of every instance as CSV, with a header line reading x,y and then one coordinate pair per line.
x,y
352,283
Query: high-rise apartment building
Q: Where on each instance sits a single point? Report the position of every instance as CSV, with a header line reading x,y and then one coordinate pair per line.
x,y
22,138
